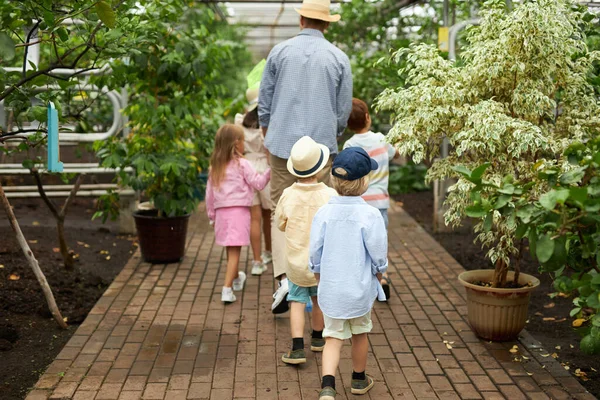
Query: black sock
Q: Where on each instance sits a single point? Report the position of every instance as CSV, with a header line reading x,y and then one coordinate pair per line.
x,y
328,380
297,343
359,375
317,334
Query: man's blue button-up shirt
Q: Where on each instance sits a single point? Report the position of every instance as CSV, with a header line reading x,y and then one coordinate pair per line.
x,y
306,90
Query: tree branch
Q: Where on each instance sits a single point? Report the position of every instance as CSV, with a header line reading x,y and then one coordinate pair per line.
x,y
33,263
29,35
42,192
72,195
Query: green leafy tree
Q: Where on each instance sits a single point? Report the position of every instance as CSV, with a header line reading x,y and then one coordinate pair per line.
x,y
84,44
180,80
519,98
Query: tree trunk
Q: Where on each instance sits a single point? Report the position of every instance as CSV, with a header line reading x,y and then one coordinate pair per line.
x,y
32,260
64,249
59,216
500,272
518,263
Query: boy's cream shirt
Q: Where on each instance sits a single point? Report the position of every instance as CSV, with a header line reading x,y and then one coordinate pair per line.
x,y
294,214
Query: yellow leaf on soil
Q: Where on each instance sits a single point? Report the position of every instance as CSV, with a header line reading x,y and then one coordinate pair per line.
x,y
33,241
35,223
549,305
549,319
1,266
107,258
14,277
554,355
56,249
515,349
103,252
557,347
578,322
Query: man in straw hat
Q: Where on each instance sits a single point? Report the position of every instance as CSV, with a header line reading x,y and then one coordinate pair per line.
x,y
306,90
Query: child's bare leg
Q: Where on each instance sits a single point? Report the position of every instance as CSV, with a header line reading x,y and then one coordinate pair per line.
x,y
297,319
233,260
360,350
266,226
255,217
317,316
331,356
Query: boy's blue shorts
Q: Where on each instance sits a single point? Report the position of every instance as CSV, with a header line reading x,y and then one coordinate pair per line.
x,y
301,294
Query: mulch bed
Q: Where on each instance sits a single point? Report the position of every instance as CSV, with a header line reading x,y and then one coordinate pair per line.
x,y
556,335
29,338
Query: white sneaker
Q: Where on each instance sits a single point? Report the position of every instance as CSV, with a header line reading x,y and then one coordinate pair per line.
x,y
227,295
258,268
280,303
238,283
267,257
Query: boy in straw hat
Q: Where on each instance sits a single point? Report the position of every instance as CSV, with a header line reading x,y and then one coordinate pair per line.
x,y
306,89
348,254
294,214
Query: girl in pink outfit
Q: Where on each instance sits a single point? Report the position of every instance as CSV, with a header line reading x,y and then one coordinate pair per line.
x,y
229,193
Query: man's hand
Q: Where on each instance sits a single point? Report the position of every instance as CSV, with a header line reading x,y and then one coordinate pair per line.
x,y
318,277
379,276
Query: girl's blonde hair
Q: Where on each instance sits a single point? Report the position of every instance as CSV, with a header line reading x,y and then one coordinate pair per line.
x,y
356,187
225,151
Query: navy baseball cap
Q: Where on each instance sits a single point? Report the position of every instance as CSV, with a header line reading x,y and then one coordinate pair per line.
x,y
355,162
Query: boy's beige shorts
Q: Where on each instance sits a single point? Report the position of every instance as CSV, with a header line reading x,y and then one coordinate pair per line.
x,y
281,179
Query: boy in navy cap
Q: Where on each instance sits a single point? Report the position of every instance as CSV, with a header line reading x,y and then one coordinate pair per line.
x,y
348,254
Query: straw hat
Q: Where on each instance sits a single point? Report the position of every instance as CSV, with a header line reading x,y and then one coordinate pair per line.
x,y
252,97
307,158
317,9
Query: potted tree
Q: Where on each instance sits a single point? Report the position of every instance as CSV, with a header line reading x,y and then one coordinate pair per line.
x,y
176,82
518,97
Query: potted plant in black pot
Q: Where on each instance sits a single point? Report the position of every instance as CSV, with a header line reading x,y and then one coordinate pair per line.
x,y
517,99
177,102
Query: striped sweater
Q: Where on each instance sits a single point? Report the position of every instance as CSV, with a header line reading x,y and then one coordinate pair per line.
x,y
374,143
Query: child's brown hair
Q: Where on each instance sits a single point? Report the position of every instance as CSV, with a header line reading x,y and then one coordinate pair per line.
x,y
225,151
358,117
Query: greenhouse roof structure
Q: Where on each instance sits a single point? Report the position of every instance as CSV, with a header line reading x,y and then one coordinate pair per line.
x,y
269,22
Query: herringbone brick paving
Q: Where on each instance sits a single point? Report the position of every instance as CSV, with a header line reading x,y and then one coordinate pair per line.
x,y
161,332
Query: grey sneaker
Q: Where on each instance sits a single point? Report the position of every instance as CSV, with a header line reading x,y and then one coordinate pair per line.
x,y
317,344
294,357
362,386
327,393
258,268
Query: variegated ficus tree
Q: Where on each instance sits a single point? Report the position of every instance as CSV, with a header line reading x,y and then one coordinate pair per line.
x,y
518,98
523,125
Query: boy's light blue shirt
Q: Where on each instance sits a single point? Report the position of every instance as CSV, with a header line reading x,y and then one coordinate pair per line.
x,y
348,246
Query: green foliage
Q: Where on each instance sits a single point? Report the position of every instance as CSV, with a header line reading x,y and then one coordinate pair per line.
x,y
184,66
518,99
365,34
407,178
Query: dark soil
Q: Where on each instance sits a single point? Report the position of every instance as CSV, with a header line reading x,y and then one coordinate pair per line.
x,y
556,332
29,338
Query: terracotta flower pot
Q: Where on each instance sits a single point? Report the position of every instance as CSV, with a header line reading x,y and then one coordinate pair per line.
x,y
497,314
162,240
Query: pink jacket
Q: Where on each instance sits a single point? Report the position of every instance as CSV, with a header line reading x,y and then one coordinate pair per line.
x,y
237,189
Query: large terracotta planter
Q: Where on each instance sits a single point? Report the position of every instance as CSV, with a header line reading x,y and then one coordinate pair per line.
x,y
162,240
497,314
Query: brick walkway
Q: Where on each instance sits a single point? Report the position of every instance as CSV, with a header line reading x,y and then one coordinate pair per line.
x,y
161,332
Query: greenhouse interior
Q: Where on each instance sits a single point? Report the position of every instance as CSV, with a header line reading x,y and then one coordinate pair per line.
x,y
191,192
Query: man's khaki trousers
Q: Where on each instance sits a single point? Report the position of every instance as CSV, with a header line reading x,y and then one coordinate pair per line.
x,y
281,179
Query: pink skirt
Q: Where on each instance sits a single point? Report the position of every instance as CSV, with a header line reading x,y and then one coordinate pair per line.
x,y
232,226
